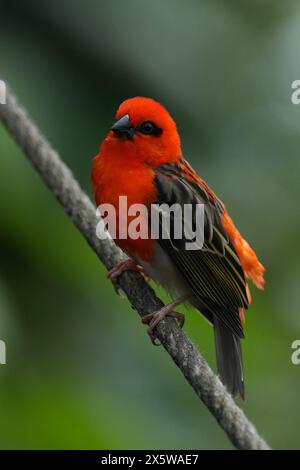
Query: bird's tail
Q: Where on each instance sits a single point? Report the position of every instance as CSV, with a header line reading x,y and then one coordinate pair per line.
x,y
229,358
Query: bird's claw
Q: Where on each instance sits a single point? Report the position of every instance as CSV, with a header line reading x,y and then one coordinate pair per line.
x,y
152,319
126,265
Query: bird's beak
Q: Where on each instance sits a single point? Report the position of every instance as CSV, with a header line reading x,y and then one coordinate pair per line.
x,y
123,128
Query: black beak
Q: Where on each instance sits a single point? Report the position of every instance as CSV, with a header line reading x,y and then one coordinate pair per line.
x,y
123,128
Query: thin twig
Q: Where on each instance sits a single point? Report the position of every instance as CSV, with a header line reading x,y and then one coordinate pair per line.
x,y
80,209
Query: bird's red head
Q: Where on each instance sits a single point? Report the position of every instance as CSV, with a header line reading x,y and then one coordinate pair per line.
x,y
144,131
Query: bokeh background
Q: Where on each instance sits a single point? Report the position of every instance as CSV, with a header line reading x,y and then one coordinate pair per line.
x,y
81,372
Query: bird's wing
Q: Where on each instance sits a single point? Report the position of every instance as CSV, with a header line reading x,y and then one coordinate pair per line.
x,y
213,271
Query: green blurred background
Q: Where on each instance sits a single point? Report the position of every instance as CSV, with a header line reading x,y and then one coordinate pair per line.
x,y
81,372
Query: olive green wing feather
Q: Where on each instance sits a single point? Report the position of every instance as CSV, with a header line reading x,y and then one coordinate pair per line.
x,y
213,272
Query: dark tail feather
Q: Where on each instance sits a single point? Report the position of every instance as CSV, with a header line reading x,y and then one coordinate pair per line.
x,y
229,358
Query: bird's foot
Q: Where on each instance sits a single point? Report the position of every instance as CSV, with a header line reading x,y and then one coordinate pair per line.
x,y
152,319
126,265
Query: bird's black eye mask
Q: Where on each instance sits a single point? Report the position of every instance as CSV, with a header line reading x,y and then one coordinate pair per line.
x,y
124,129
149,128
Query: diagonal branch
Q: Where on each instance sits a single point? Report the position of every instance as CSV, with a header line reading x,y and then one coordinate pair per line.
x,y
59,179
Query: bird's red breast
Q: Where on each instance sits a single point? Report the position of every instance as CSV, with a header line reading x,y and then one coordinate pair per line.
x,y
111,180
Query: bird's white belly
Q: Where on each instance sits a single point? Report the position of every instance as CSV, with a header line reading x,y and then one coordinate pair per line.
x,y
165,273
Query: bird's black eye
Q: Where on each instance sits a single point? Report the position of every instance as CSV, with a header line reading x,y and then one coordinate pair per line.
x,y
149,128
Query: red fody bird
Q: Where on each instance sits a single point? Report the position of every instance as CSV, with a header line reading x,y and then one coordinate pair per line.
x,y
141,158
